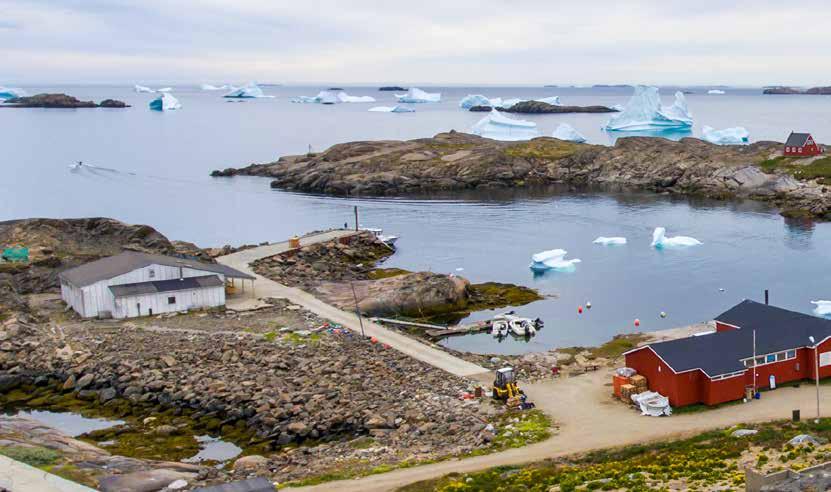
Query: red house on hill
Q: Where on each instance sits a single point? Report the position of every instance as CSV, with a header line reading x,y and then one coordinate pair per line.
x,y
718,367
802,145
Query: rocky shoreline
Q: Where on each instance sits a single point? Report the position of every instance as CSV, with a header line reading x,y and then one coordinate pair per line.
x,y
59,101
539,107
784,90
458,161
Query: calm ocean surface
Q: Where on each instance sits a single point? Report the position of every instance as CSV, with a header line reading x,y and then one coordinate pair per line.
x,y
159,165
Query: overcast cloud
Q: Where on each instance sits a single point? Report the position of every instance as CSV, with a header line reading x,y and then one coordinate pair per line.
x,y
427,41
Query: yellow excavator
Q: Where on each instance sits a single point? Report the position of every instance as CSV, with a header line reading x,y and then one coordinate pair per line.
x,y
504,386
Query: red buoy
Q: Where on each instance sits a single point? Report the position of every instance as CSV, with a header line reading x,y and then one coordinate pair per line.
x,y
373,340
637,322
580,309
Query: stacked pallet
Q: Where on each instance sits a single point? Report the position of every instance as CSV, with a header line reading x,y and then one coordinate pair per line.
x,y
626,392
639,382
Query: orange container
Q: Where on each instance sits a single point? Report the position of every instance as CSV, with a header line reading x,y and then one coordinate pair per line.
x,y
294,242
617,382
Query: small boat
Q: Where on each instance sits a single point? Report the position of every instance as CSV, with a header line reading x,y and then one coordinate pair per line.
x,y
499,328
379,233
519,326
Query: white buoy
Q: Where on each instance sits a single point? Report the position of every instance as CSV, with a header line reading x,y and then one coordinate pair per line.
x,y
588,305
663,314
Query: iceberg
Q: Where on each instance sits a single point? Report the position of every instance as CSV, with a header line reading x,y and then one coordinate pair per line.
x,y
823,308
568,133
165,102
10,93
553,100
322,97
553,259
141,88
416,95
644,112
499,127
618,107
736,135
660,241
391,109
715,91
472,100
248,91
610,241
209,87
344,97
164,89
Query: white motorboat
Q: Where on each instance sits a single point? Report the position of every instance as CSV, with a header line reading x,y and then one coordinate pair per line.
x,y
518,326
379,233
499,328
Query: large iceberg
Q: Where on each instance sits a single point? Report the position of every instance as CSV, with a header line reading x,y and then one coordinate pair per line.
x,y
499,127
391,109
141,88
736,135
567,132
209,87
344,97
416,95
553,259
715,91
660,241
823,308
248,91
165,102
472,100
644,112
10,93
610,241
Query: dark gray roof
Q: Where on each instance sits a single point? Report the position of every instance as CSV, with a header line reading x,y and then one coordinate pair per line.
x,y
128,261
797,139
777,329
155,286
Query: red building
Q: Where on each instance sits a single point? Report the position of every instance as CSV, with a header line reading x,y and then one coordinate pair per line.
x,y
718,366
802,145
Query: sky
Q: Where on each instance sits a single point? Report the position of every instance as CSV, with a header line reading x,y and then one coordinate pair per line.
x,y
488,42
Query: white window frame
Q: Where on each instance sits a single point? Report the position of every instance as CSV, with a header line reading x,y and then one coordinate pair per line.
x,y
786,355
727,376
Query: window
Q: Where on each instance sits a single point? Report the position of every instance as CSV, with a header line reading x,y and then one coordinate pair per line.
x,y
770,358
760,361
787,149
791,354
780,356
151,273
171,300
748,363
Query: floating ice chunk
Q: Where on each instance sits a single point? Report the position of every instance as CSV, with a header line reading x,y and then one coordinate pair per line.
x,y
553,100
499,127
322,97
618,107
553,259
472,100
609,241
416,95
567,132
141,88
644,112
660,241
823,308
729,136
165,102
209,87
392,109
11,92
344,97
164,89
715,91
248,91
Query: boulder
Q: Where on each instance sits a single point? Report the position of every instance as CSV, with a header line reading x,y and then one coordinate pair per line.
x,y
251,463
143,481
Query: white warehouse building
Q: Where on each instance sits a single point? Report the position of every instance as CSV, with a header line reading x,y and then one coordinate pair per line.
x,y
134,284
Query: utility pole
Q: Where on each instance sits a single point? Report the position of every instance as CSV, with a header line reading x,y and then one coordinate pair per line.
x,y
754,363
356,217
357,309
816,373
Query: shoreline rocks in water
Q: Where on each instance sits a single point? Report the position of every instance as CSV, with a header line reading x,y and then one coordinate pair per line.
x,y
59,101
783,90
392,88
539,107
459,161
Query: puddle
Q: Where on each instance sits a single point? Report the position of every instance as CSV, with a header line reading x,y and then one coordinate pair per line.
x,y
214,449
72,424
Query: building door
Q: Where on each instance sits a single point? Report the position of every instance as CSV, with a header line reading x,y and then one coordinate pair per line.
x,y
772,381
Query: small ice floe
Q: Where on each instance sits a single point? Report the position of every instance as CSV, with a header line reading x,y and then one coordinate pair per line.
x,y
346,98
322,97
645,112
736,135
11,93
165,102
553,259
248,91
715,91
660,241
209,87
610,241
165,89
568,133
416,95
391,109
141,88
460,269
499,127
822,308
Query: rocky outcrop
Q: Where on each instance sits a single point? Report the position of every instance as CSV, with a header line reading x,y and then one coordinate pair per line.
x,y
816,91
539,107
456,161
59,101
58,244
392,88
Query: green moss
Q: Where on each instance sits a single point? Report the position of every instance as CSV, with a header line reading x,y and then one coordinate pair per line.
x,y
33,456
380,273
481,297
772,164
365,442
270,336
296,339
819,169
72,473
533,426
542,149
612,349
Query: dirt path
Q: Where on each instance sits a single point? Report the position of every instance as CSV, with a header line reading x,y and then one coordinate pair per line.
x,y
590,419
268,288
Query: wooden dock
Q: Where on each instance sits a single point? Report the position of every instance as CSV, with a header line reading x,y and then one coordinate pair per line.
x,y
437,332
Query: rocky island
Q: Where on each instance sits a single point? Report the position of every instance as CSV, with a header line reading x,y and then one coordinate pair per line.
x,y
59,101
459,161
783,90
540,107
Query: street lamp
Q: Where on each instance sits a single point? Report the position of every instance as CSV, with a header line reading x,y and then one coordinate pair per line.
x,y
816,374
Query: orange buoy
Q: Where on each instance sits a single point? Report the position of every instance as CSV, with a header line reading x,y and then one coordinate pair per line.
x,y
637,322
373,340
580,309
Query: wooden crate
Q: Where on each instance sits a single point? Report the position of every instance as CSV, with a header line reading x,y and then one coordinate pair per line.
x,y
617,382
638,380
626,392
